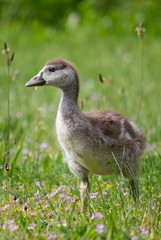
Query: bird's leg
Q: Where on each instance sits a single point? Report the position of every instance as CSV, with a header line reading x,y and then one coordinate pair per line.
x,y
84,190
130,173
134,188
83,174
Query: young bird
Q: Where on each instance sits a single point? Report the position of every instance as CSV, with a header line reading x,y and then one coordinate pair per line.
x,y
103,142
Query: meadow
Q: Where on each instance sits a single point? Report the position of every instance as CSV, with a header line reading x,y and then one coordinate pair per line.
x,y
39,196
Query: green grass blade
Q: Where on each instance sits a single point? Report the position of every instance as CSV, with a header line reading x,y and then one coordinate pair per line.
x,y
13,164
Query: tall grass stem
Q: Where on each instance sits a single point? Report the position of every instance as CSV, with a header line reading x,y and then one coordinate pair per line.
x,y
8,111
141,78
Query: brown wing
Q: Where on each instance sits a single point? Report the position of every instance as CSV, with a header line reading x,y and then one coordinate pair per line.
x,y
106,121
118,128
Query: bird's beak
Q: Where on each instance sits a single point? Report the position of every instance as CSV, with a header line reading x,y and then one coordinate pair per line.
x,y
36,81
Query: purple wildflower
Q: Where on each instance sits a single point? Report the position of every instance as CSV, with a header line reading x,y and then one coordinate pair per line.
x,y
4,186
43,145
96,215
45,206
152,206
104,193
10,221
55,192
122,183
38,184
5,207
99,215
100,228
62,195
33,213
13,227
144,231
134,238
10,224
25,151
69,199
93,195
37,190
92,217
31,226
39,202
49,213
51,236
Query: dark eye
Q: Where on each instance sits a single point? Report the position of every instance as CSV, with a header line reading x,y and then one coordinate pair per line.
x,y
52,69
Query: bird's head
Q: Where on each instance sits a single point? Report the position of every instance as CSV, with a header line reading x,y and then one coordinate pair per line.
x,y
57,73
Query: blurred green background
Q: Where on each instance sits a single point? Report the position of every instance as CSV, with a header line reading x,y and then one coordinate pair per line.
x,y
98,37
111,15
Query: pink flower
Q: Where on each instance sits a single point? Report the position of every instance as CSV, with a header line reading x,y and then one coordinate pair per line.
x,y
104,193
93,195
134,238
38,184
13,227
25,151
51,236
5,207
144,231
49,213
33,213
31,226
45,206
152,206
62,195
100,228
122,183
43,145
10,222
96,215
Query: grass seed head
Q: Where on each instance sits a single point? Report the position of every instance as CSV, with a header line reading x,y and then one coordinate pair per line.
x,y
140,30
5,46
7,167
12,57
101,78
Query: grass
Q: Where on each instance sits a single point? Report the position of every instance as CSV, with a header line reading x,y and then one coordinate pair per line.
x,y
40,199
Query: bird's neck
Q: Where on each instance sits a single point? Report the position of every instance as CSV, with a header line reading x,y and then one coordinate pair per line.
x,y
68,104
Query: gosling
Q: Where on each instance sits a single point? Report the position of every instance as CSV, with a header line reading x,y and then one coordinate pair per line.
x,y
103,142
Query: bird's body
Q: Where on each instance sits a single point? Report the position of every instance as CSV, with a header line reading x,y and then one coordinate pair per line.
x,y
103,142
97,138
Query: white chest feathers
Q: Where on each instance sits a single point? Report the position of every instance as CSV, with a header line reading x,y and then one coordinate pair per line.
x,y
68,129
